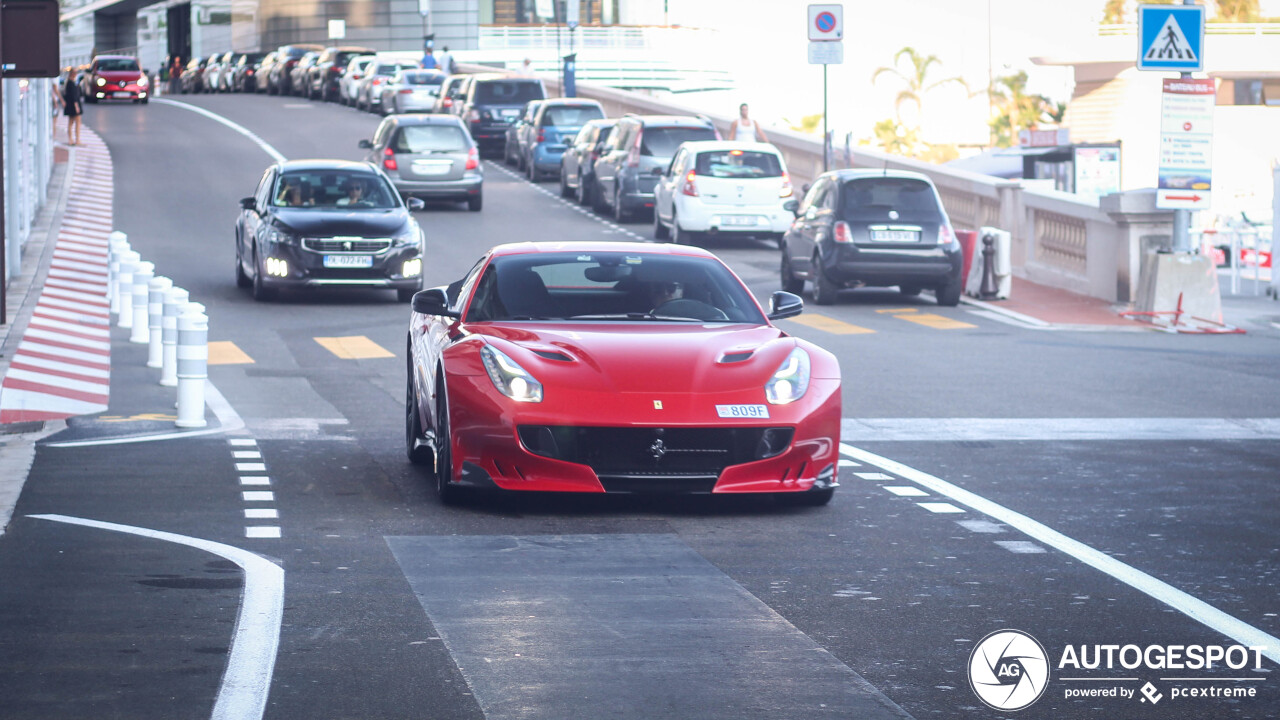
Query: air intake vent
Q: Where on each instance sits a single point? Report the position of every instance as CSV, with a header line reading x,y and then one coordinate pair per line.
x,y
739,356
553,355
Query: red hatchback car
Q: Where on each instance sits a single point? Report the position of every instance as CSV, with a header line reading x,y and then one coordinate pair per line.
x,y
115,77
619,368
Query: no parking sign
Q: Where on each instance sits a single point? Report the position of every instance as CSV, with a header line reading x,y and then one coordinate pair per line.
x,y
826,23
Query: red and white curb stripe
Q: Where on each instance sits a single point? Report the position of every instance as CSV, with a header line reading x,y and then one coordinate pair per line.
x,y
62,366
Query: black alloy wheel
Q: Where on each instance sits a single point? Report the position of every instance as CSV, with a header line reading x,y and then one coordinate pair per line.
x,y
416,447
445,489
790,283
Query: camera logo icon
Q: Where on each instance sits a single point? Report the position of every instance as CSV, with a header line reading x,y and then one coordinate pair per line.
x,y
1008,670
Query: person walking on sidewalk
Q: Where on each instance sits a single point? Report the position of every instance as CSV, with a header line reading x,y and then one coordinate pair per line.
x,y
745,129
71,108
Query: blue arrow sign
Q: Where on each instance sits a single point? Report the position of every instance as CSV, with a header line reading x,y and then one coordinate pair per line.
x,y
1171,38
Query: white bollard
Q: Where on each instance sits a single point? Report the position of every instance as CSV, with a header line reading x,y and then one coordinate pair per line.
x,y
117,244
155,314
124,288
142,275
193,366
175,299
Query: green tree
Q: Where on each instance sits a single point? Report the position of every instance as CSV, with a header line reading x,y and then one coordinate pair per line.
x,y
1113,12
808,124
1237,11
916,77
893,138
1017,109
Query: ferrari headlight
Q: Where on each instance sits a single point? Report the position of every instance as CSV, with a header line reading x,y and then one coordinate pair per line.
x,y
510,379
791,380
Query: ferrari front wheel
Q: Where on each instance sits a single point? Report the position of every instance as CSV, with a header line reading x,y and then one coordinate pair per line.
x,y
416,446
445,488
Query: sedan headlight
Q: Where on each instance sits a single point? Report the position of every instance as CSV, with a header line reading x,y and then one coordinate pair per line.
x,y
790,381
142,81
410,234
510,379
281,237
100,82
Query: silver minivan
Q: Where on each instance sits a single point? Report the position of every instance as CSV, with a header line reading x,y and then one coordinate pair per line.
x,y
429,156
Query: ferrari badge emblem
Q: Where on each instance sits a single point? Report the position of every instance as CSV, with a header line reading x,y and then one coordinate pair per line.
x,y
657,404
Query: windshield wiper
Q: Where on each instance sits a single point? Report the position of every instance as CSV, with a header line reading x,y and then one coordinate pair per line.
x,y
633,316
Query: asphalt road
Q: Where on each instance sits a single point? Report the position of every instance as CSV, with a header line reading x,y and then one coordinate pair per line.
x,y
558,607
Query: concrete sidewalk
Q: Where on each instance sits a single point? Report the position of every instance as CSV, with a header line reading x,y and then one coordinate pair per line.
x,y
1052,308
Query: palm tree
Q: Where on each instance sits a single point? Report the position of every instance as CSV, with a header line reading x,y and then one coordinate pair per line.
x,y
916,79
1018,109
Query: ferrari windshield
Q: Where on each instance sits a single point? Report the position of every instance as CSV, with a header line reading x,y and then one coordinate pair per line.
x,y
611,286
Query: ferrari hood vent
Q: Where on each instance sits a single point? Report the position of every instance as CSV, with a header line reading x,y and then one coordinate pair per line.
x,y
735,356
553,355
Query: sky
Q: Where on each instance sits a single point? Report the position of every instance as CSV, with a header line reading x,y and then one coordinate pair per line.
x,y
765,45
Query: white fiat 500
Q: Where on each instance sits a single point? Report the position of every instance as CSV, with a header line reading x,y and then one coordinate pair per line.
x,y
722,187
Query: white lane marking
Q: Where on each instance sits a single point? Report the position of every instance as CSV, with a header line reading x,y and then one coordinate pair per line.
x,y
940,507
228,421
242,442
571,204
845,462
258,496
265,532
254,480
1192,607
981,526
246,454
1022,547
275,154
906,490
865,430
252,658
251,467
261,514
873,476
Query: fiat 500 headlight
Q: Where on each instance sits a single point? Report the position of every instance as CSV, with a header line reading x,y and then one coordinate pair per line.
x,y
790,381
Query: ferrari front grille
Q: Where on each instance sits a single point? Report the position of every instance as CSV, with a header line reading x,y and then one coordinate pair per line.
x,y
648,452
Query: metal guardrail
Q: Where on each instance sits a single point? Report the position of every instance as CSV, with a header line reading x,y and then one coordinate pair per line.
x,y
28,163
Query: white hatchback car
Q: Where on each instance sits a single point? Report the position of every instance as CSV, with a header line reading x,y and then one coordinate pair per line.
x,y
350,80
725,188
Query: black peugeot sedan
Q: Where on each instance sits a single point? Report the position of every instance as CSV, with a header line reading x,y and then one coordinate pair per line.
x,y
877,228
327,223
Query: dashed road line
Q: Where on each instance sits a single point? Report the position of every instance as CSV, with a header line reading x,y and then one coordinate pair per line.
x,y
831,325
355,347
246,448
1188,605
571,204
940,507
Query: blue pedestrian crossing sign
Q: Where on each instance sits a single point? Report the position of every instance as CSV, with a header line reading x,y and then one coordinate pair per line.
x,y
1171,38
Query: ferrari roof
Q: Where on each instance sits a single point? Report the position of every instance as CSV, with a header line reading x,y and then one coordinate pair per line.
x,y
525,248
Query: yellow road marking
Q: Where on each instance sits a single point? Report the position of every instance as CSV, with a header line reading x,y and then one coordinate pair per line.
x,y
831,325
136,418
898,310
937,322
225,352
355,347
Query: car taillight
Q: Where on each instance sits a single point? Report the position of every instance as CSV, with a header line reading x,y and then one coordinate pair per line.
x,y
542,136
248,72
785,191
406,91
335,70
389,160
473,159
945,234
843,234
357,76
377,81
474,116
690,188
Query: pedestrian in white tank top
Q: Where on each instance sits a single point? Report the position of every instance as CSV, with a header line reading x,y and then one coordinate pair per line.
x,y
744,129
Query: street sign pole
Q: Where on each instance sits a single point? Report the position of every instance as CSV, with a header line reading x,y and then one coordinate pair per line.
x,y
826,30
1168,40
